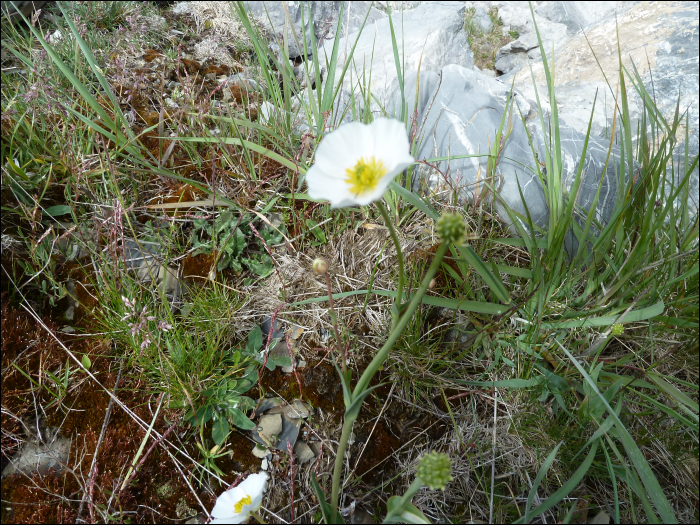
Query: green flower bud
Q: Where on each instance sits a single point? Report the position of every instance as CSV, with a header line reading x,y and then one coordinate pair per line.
x,y
434,470
451,228
320,266
617,329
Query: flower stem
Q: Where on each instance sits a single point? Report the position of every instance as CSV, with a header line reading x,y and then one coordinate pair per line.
x,y
396,312
366,377
406,498
379,358
338,467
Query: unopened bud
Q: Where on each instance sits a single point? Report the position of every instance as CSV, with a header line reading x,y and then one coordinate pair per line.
x,y
617,329
320,266
432,284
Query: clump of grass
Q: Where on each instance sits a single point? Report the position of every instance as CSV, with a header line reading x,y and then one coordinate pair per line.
x,y
485,45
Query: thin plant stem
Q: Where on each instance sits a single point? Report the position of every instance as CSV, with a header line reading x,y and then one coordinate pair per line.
x,y
396,312
338,467
368,374
406,498
379,358
334,322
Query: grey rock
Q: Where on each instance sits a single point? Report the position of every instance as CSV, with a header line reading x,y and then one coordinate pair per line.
x,y
43,449
508,60
515,54
482,19
324,15
241,80
269,427
13,9
465,111
70,313
669,56
260,452
303,452
464,119
152,271
32,458
431,34
576,15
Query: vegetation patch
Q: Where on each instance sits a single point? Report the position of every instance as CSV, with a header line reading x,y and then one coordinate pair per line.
x,y
169,279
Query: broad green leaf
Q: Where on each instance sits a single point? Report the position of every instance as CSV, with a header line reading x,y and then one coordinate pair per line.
x,y
255,340
239,419
220,431
282,360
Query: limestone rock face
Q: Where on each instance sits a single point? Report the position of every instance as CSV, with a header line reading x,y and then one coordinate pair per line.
x,y
431,34
461,108
323,14
660,41
469,128
461,114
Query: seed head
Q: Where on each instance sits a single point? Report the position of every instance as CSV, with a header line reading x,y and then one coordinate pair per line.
x,y
617,329
451,229
434,470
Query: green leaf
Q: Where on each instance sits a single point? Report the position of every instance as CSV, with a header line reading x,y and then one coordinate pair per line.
x,y
250,145
466,306
322,501
409,514
672,392
354,409
274,362
255,340
318,232
261,268
57,211
245,403
641,314
220,431
239,419
203,415
592,407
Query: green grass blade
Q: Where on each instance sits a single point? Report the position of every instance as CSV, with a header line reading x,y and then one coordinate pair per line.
x,y
638,460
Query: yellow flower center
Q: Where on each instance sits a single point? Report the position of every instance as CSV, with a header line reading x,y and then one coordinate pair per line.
x,y
365,176
244,501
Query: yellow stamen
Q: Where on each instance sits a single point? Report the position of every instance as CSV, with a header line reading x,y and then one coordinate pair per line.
x,y
365,176
244,501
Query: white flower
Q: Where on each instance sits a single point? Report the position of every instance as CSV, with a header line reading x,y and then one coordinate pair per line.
x,y
235,505
356,163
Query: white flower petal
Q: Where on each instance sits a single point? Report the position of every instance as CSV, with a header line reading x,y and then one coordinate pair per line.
x,y
251,489
328,187
342,148
391,142
384,141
